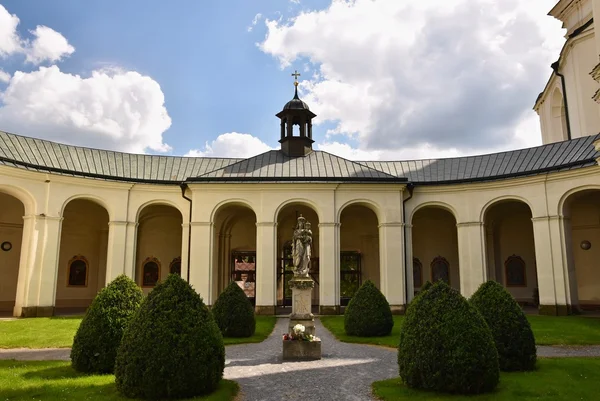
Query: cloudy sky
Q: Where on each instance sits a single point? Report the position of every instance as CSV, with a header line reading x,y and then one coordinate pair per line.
x,y
388,79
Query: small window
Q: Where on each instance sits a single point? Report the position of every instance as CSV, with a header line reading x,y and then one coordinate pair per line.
x,y
417,273
175,266
150,272
440,270
515,272
78,271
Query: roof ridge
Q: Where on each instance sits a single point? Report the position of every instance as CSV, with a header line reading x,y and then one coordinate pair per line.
x,y
360,163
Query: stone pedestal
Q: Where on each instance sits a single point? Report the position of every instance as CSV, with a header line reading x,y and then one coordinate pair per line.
x,y
301,314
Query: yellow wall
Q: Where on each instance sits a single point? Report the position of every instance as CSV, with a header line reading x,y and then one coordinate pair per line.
x,y
159,236
434,234
359,232
585,225
11,230
84,232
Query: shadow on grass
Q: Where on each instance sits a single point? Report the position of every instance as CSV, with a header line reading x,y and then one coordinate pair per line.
x,y
55,373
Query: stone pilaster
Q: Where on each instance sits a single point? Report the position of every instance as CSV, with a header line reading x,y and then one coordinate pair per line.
x,y
471,256
392,265
266,236
201,260
116,249
329,268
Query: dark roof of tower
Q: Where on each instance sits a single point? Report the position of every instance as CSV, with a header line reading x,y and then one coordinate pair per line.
x,y
296,103
47,156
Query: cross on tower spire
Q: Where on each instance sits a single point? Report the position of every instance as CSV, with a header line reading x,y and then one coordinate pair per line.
x,y
296,74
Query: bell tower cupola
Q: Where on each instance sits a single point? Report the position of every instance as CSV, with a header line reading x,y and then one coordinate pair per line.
x,y
296,113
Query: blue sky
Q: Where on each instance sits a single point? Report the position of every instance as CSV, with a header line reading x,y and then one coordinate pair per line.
x,y
218,76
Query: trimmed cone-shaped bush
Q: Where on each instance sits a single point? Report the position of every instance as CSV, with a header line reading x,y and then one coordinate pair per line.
x,y
368,313
234,313
446,346
99,334
172,347
511,330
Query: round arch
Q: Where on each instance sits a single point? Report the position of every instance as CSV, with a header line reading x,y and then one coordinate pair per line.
x,y
298,201
563,199
436,204
92,198
373,206
157,202
231,202
499,199
26,198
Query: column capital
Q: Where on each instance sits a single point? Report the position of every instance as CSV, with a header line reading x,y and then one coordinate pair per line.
x,y
118,223
42,216
391,224
470,224
548,218
329,224
266,224
202,224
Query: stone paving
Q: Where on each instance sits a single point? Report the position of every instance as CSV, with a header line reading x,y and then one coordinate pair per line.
x,y
345,372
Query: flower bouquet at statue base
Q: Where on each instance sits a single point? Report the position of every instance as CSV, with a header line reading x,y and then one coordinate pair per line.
x,y
301,346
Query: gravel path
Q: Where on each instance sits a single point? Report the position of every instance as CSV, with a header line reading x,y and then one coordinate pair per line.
x,y
345,372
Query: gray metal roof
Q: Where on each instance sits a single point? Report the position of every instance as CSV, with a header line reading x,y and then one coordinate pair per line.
x,y
316,166
560,156
41,155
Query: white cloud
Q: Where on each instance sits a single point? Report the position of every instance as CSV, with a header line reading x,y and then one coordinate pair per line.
x,y
4,76
9,39
47,45
232,144
439,76
255,20
120,110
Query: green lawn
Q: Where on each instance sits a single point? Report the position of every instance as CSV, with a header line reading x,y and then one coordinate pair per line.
x,y
548,330
58,332
555,379
54,380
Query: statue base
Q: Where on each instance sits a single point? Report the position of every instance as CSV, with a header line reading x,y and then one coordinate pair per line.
x,y
295,350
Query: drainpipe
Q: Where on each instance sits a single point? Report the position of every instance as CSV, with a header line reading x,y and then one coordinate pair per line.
x,y
555,66
408,263
183,187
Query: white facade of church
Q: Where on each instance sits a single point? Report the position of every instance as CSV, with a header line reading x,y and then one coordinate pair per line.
x,y
72,219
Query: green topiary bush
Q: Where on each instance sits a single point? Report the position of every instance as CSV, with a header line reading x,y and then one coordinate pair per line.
x,y
511,330
172,347
99,334
446,346
368,313
234,313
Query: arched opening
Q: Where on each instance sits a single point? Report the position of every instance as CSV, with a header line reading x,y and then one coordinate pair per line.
x,y
158,244
559,117
510,249
286,222
12,211
82,257
582,240
435,247
235,250
359,245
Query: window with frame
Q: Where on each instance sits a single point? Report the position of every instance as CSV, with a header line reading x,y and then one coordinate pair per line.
x,y
78,271
417,273
350,275
175,266
150,272
440,270
515,271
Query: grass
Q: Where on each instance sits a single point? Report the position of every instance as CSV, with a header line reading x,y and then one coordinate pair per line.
x,y
55,380
555,379
548,330
58,332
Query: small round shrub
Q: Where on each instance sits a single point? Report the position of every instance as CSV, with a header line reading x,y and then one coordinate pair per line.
x,y
368,313
233,313
511,330
99,334
172,348
446,346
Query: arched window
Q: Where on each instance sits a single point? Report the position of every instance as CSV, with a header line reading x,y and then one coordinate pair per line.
x,y
417,273
515,272
78,271
440,270
150,272
175,266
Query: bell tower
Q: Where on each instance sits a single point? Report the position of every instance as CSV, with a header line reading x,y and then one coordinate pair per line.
x,y
296,112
